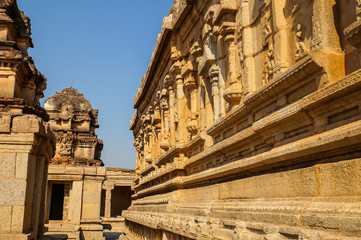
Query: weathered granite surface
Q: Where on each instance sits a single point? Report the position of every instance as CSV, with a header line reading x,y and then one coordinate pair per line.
x,y
247,123
74,122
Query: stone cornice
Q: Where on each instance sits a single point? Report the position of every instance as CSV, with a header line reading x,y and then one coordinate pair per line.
x,y
196,226
11,104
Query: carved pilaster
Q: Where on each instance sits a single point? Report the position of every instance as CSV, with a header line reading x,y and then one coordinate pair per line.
x,y
233,92
283,54
108,201
192,125
213,74
181,106
165,119
168,83
209,45
326,48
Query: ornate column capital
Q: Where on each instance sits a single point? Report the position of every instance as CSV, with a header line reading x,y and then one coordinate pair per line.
x,y
213,74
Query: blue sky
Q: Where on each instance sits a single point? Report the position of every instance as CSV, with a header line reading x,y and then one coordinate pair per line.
x,y
104,48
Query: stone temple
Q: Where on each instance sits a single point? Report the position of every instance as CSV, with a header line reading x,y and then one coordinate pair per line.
x,y
247,123
247,127
82,195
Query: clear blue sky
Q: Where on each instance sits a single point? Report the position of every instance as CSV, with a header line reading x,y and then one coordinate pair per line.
x,y
105,48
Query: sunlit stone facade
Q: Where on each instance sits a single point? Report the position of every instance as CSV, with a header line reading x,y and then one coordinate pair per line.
x,y
247,123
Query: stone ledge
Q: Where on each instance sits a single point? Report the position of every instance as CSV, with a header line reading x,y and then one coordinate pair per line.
x,y
10,105
16,236
236,221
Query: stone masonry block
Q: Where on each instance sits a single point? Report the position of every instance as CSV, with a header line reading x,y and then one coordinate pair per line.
x,y
73,170
12,236
7,165
294,183
90,171
89,211
5,219
5,123
341,179
92,186
12,192
101,171
25,164
27,124
91,197
18,215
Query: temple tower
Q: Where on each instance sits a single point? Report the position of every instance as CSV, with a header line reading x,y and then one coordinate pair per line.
x,y
76,173
74,122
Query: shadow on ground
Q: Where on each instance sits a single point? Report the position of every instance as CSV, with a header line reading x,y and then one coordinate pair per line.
x,y
112,235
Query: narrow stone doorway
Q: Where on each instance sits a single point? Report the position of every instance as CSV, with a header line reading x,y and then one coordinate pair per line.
x,y
57,202
120,200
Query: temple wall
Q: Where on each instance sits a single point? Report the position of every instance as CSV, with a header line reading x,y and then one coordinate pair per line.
x,y
247,123
81,214
26,145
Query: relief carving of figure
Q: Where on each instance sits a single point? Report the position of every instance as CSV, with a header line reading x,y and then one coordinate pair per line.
x,y
316,31
300,45
65,147
269,66
267,28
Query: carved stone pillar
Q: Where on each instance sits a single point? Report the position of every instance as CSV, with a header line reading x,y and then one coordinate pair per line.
x,y
157,126
282,47
165,119
325,45
149,157
191,85
247,46
213,74
168,83
233,93
181,106
108,201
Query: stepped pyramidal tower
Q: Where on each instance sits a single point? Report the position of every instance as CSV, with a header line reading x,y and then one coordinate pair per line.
x,y
74,122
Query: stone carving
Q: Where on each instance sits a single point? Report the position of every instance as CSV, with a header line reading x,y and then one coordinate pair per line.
x,y
267,28
269,66
316,31
65,109
300,45
65,147
245,105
